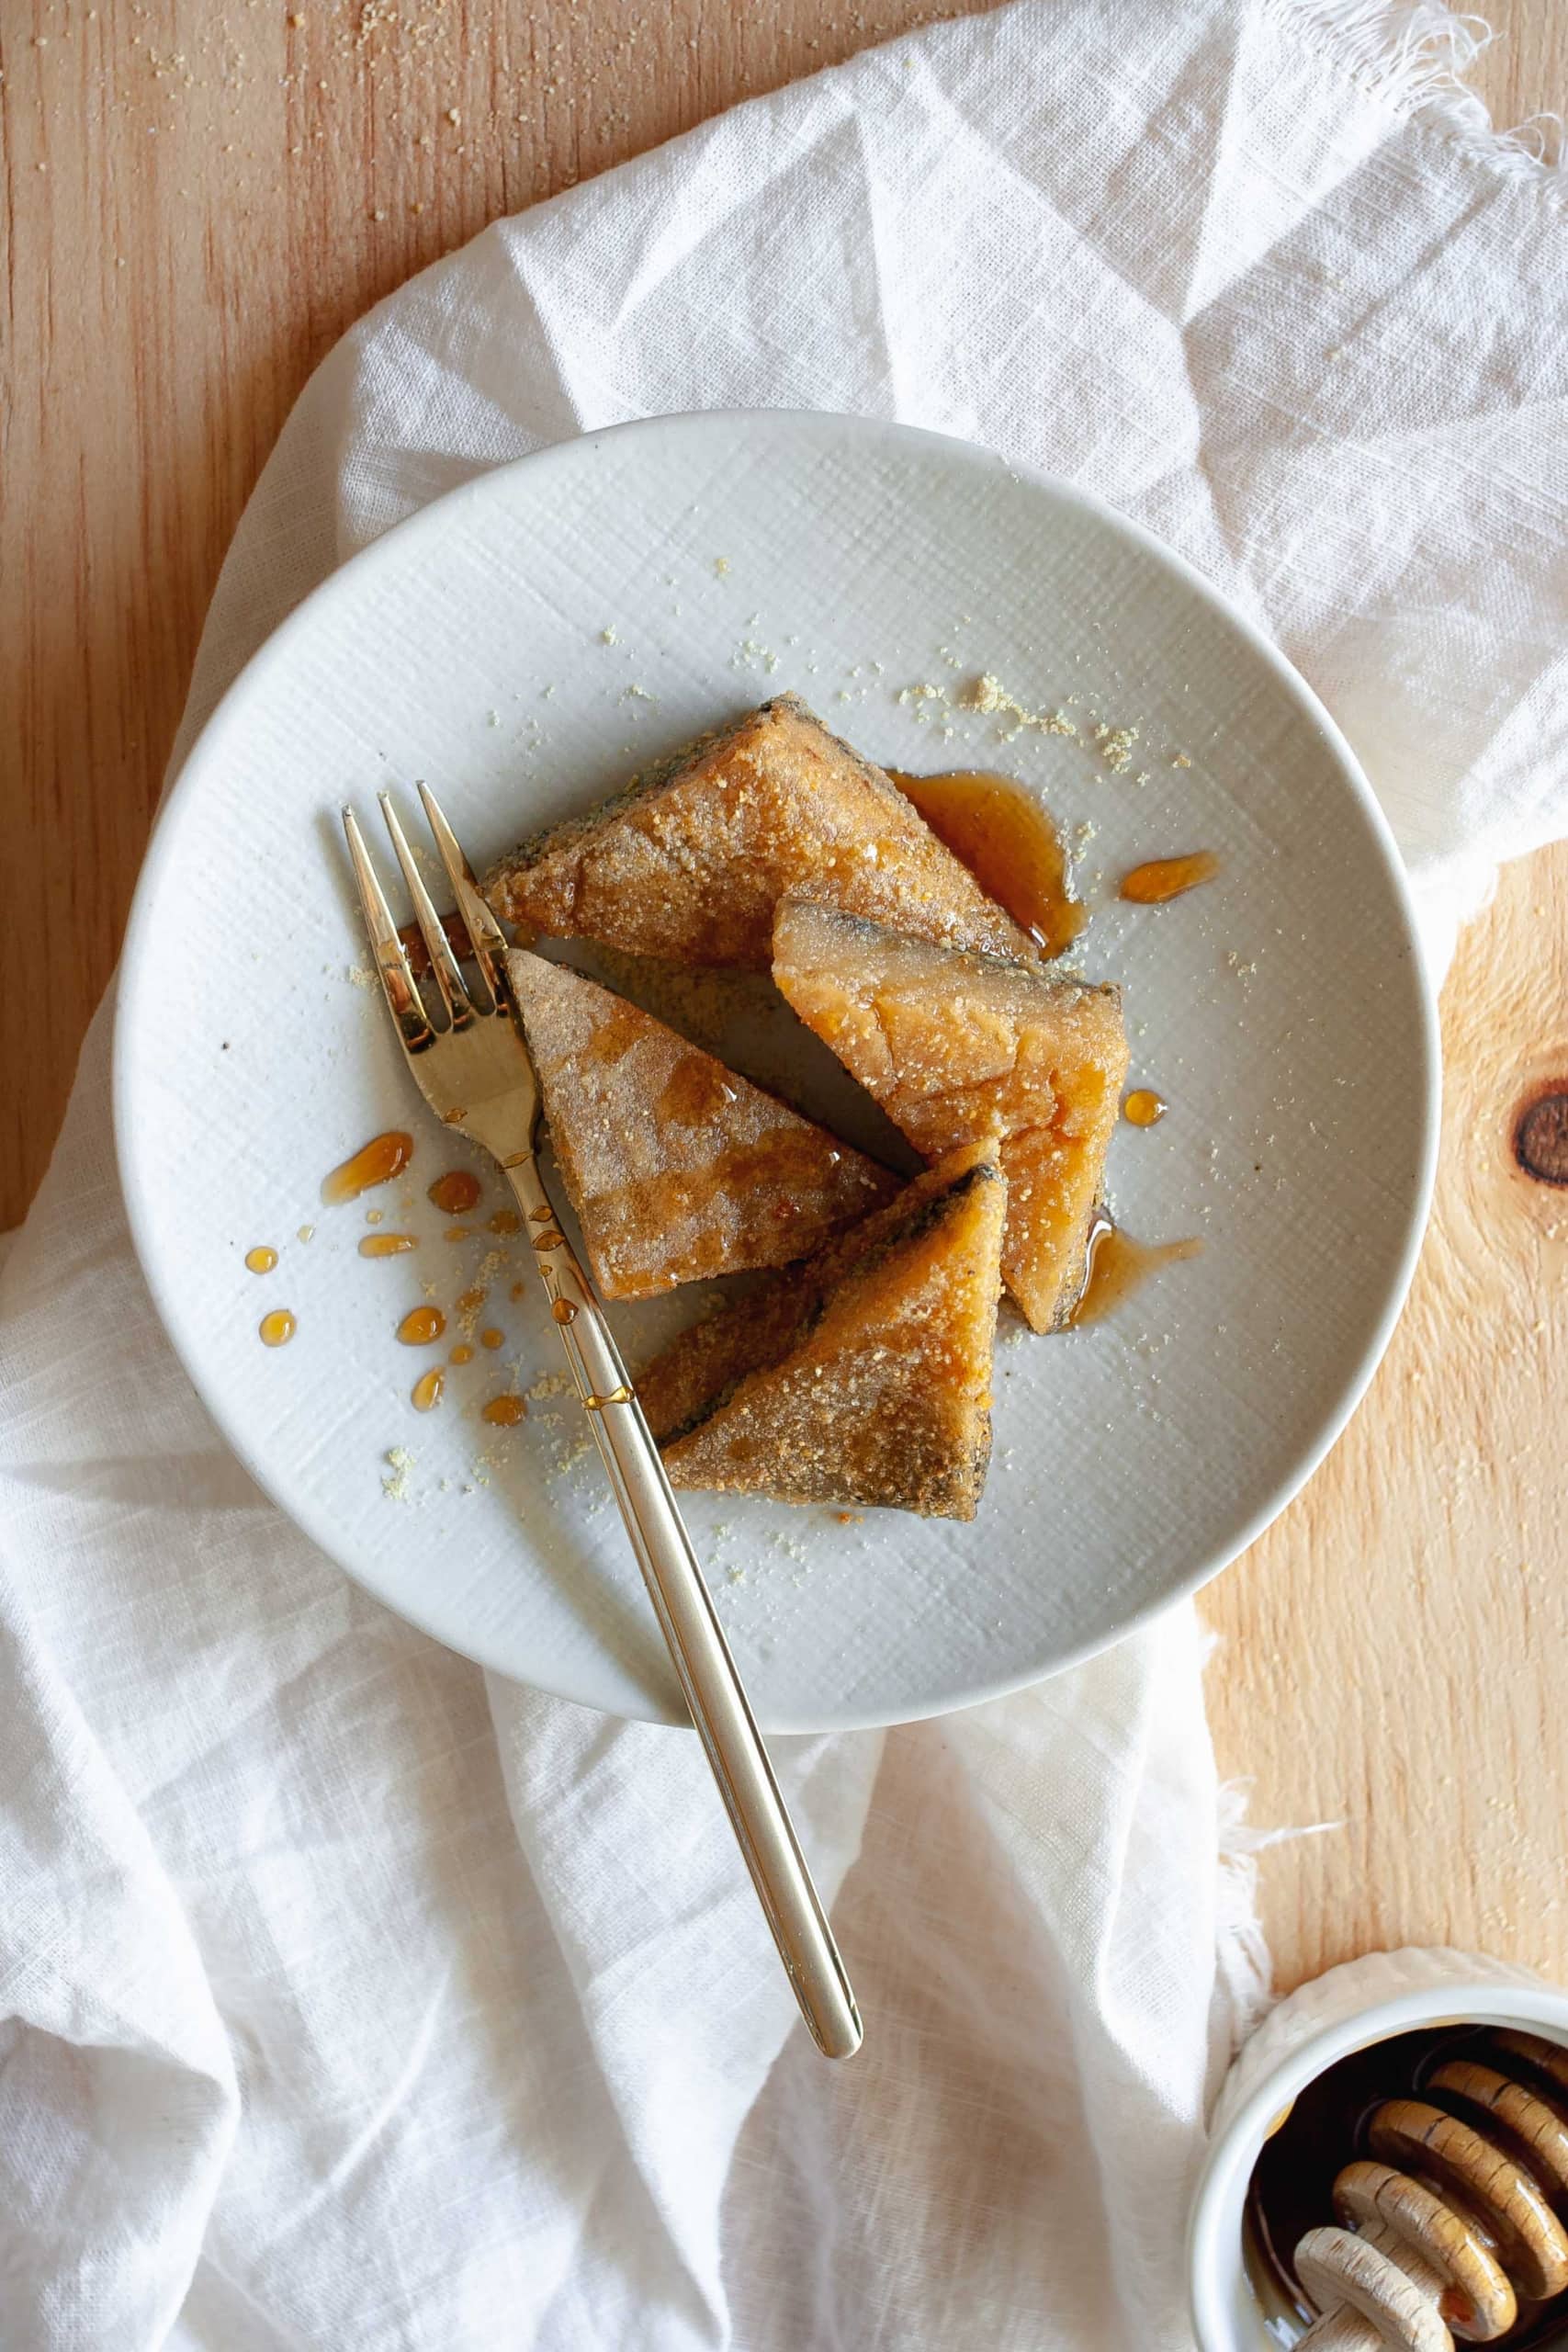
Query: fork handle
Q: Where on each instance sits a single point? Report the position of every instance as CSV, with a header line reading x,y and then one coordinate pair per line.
x,y
707,1673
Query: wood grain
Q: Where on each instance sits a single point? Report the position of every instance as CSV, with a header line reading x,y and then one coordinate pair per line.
x,y
199,196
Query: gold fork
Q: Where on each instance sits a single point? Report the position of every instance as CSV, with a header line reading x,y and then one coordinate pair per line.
x,y
467,1052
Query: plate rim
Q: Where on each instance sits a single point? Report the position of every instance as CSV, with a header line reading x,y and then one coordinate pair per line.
x,y
435,516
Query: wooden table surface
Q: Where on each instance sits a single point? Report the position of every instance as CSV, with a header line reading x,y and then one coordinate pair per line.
x,y
200,195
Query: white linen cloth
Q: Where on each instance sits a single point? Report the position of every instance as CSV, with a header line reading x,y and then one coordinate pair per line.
x,y
352,1998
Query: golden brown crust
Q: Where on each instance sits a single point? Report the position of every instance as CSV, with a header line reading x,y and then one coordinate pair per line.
x,y
860,1378
955,1045
690,861
677,1167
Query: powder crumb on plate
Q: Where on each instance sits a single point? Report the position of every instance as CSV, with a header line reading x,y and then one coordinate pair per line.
x,y
987,694
1114,745
396,1486
609,637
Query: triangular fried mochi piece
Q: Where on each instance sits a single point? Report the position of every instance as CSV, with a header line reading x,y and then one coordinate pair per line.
x,y
955,1045
677,1167
861,1377
691,860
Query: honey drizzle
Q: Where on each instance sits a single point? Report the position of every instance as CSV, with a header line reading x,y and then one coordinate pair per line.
x,y
261,1260
695,1092
376,1162
1117,1266
1009,844
425,1394
1161,879
621,1395
420,1325
493,1337
277,1328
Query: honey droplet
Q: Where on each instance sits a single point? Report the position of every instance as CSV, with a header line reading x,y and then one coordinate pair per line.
x,y
386,1245
420,1325
277,1328
1117,1266
1144,1107
505,1412
543,1215
456,1192
563,1310
493,1337
516,1292
375,1216
1164,878
470,1302
461,1353
552,1238
377,1163
460,1233
261,1260
1009,844
427,1388
506,1221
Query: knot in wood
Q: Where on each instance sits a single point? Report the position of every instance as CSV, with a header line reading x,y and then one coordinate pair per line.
x,y
1541,1139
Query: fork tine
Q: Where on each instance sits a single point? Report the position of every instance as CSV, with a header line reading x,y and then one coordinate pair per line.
x,y
485,935
391,958
443,963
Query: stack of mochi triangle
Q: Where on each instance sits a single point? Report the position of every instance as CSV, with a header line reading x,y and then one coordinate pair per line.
x,y
859,1372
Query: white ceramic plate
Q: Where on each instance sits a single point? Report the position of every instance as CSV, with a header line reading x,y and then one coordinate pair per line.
x,y
524,644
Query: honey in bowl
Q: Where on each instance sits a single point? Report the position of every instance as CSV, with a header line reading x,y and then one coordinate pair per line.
x,y
1355,2119
1009,844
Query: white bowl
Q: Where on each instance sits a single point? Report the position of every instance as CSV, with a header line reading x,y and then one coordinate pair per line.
x,y
526,643
1348,2009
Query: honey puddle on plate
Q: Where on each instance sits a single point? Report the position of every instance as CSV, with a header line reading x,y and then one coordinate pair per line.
x,y
1164,878
377,1162
1119,1266
1009,844
456,1192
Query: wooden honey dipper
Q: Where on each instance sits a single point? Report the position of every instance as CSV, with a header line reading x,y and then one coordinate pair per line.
x,y
1442,2232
